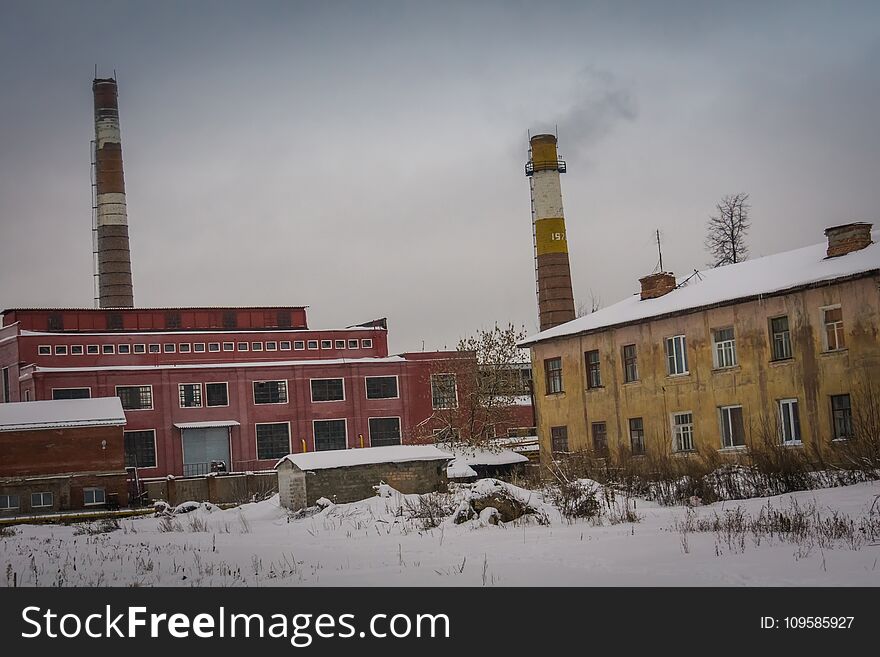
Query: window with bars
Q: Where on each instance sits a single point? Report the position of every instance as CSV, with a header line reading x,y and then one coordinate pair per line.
x,y
324,390
630,364
789,422
270,392
599,431
190,395
841,417
381,387
835,339
384,431
553,375
135,398
637,436
217,394
733,432
683,432
444,391
330,434
559,440
724,347
676,355
594,369
780,338
140,448
273,440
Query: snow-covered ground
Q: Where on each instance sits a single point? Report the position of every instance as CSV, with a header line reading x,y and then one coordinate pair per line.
x,y
373,543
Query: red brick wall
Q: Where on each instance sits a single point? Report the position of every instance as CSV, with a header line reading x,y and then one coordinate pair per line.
x,y
57,451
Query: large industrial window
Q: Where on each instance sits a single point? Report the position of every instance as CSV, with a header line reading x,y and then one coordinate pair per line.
x,y
135,398
553,374
683,432
559,440
724,348
273,440
9,502
637,436
324,390
676,355
444,391
834,335
733,432
330,434
382,387
780,338
384,431
71,393
140,448
841,417
217,394
789,422
94,496
594,371
190,395
630,364
600,438
43,499
270,392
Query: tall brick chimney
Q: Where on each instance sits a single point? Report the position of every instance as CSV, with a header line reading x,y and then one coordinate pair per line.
x,y
111,223
656,285
847,238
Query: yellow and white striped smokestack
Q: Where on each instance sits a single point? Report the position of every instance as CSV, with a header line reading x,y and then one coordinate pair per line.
x,y
552,268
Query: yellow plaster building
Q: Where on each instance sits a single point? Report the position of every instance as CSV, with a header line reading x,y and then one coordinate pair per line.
x,y
713,360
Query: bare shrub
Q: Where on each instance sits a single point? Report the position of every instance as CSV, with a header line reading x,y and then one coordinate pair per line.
x,y
431,509
575,499
101,527
169,524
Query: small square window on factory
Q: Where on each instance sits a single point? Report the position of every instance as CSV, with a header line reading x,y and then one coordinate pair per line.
x,y
60,349
44,350
340,344
213,346
352,344
199,347
124,349
228,346
256,346
184,347
108,349
92,349
76,350
155,348
242,346
285,345
140,349
313,344
367,343
169,348
299,345
326,344
272,346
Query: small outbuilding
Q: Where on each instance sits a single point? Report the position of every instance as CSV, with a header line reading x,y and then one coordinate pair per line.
x,y
62,454
351,474
472,463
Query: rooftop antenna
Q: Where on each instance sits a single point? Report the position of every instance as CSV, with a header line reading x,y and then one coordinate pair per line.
x,y
660,251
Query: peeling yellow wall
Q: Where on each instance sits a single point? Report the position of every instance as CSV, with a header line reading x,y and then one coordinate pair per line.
x,y
756,383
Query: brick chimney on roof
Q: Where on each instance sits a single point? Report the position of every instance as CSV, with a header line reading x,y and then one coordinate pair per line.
x,y
656,285
847,238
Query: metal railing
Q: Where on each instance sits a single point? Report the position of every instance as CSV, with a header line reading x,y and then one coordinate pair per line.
x,y
548,165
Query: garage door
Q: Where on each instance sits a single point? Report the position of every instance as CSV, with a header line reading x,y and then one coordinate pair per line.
x,y
203,445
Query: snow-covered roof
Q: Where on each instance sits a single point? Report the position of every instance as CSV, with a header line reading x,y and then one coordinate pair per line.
x,y
456,470
729,284
61,413
346,458
473,456
207,424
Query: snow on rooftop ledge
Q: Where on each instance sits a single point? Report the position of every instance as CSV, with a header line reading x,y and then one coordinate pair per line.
x,y
767,275
61,413
346,458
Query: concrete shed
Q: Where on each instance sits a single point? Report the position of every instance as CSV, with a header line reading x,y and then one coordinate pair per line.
x,y
350,475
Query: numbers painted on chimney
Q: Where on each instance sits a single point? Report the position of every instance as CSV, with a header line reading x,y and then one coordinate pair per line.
x,y
557,237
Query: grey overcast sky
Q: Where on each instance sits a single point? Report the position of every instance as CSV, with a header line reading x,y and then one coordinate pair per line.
x,y
366,158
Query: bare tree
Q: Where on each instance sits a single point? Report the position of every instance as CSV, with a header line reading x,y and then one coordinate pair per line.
x,y
727,230
584,309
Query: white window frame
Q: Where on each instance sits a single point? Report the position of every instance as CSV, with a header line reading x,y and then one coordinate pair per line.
x,y
286,392
201,395
367,343
721,410
786,341
328,419
327,378
312,342
93,350
82,350
671,341
60,350
682,433
455,380
256,346
385,376
108,349
42,347
329,344
231,346
125,345
155,448
353,344
281,346
157,350
184,348
93,490
199,347
52,392
339,344
135,410
214,383
242,346
271,342
8,506
724,352
386,417
838,329
214,347
301,343
139,349
169,348
791,425
42,495
257,444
